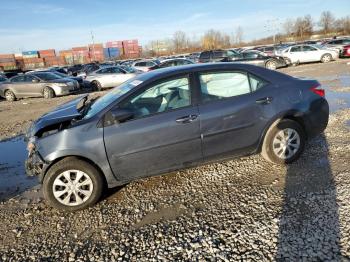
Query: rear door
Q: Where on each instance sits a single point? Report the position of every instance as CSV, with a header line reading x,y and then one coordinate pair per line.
x,y
296,54
311,54
162,135
232,109
33,86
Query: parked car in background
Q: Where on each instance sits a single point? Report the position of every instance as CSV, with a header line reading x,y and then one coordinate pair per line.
x,y
131,69
170,119
345,52
88,68
309,53
194,56
74,70
108,77
252,57
337,44
37,84
80,80
145,65
3,78
171,62
218,56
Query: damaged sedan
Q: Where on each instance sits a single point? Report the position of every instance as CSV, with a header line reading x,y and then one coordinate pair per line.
x,y
170,119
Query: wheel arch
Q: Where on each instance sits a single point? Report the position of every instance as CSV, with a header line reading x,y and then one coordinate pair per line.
x,y
292,115
83,158
51,87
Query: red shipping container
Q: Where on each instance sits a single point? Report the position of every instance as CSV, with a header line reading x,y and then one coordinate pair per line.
x,y
96,46
118,44
7,56
80,48
47,53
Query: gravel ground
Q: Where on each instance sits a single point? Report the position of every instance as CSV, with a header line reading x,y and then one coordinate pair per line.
x,y
243,209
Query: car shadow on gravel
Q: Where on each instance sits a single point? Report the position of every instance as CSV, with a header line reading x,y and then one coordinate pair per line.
x,y
309,223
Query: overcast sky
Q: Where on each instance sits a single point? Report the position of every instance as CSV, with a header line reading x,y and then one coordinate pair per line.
x,y
39,24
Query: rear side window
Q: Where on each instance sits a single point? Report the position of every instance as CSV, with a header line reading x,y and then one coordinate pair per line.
x,y
219,54
215,86
309,48
18,79
256,83
205,55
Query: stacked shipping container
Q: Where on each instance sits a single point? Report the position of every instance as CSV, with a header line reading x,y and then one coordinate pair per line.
x,y
67,55
80,55
131,48
8,62
96,52
47,53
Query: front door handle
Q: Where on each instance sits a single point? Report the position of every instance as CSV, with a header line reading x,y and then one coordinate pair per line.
x,y
264,100
186,119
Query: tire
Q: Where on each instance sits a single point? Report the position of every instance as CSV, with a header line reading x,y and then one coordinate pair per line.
x,y
272,65
10,96
48,93
83,196
326,58
96,85
273,145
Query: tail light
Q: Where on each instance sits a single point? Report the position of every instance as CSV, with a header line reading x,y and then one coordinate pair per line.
x,y
318,90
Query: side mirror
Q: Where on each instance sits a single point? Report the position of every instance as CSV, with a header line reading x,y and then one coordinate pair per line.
x,y
118,115
35,80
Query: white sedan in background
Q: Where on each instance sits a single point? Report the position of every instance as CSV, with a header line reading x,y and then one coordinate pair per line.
x,y
109,77
309,53
145,65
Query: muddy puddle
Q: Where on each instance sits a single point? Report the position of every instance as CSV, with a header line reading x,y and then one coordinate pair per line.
x,y
13,180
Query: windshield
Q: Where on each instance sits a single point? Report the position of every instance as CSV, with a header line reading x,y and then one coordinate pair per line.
x,y
47,76
110,97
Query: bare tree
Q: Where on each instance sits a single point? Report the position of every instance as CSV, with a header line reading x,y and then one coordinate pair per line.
x,y
239,35
288,27
303,26
342,25
326,22
212,39
180,41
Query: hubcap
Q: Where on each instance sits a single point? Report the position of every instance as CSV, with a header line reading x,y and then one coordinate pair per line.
x,y
72,187
271,66
286,143
326,58
9,96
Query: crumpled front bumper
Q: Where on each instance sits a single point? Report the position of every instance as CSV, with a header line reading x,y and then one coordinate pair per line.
x,y
35,165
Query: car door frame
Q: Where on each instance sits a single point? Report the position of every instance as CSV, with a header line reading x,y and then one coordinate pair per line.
x,y
256,95
193,105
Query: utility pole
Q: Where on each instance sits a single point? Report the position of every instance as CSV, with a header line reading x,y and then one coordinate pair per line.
x,y
93,45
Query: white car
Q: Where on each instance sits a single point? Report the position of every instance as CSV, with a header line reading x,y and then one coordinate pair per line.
x,y
144,65
108,77
309,53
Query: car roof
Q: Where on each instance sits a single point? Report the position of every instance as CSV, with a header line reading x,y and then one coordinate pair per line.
x,y
178,70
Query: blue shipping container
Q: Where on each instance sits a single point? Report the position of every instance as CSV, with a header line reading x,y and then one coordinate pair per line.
x,y
106,53
114,52
30,53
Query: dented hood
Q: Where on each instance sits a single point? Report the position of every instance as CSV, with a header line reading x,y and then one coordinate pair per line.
x,y
62,113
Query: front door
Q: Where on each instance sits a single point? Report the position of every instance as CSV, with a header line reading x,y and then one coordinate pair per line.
x,y
231,111
162,135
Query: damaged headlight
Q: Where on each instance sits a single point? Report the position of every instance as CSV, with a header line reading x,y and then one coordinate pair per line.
x,y
31,145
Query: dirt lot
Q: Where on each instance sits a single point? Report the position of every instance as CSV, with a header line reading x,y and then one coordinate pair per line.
x,y
244,209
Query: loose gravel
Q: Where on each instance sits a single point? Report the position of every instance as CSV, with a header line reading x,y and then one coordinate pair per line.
x,y
240,210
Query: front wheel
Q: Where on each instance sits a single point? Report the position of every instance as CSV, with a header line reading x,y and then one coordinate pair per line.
x,y
72,184
10,96
326,58
284,142
272,65
96,85
48,93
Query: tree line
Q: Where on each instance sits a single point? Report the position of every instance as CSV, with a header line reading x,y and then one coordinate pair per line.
x,y
297,29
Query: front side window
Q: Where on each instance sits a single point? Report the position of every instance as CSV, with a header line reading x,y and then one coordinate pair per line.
x,y
295,49
205,55
17,79
256,83
215,86
309,48
168,95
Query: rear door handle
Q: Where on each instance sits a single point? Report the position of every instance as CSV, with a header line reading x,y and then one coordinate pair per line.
x,y
264,100
186,119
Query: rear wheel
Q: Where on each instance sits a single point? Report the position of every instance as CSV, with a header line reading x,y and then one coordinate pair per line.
x,y
272,65
284,142
96,85
326,58
48,93
72,184
10,96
